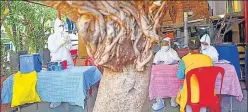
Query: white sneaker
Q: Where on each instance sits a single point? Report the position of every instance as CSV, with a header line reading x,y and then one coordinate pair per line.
x,y
158,105
189,109
173,102
54,104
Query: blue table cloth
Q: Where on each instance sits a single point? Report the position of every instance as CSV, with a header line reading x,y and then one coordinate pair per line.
x,y
70,85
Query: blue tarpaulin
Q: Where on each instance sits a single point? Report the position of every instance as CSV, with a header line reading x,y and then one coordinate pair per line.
x,y
230,53
70,24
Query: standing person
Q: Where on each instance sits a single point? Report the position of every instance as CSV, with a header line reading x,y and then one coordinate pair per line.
x,y
207,49
59,44
166,55
193,60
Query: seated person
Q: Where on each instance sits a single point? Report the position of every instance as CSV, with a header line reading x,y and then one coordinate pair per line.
x,y
207,49
193,60
166,55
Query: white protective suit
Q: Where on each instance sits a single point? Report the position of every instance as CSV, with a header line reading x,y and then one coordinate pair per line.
x,y
208,49
59,44
166,54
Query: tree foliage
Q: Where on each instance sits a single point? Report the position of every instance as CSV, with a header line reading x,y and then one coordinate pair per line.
x,y
27,25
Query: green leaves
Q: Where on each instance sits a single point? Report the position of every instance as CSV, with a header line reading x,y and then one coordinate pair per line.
x,y
26,25
29,21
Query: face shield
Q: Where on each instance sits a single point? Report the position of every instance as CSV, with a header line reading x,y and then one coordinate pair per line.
x,y
166,41
205,41
58,26
165,44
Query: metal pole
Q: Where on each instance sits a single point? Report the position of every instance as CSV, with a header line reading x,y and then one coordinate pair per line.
x,y
246,19
186,35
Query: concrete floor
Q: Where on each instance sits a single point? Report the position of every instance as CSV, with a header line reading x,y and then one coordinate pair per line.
x,y
226,105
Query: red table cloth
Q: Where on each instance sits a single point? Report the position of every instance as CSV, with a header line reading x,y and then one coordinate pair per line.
x,y
164,83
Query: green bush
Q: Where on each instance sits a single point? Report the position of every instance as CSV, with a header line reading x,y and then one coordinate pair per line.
x,y
27,25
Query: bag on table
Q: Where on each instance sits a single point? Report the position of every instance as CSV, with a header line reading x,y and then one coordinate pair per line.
x,y
30,62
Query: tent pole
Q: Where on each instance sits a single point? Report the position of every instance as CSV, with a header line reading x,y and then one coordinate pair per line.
x,y
246,19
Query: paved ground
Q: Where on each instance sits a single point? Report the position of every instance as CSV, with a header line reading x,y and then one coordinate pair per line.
x,y
227,104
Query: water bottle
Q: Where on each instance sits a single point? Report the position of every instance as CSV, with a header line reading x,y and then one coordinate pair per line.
x,y
59,66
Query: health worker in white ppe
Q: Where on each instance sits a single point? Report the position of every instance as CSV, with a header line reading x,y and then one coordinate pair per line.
x,y
166,55
59,44
207,49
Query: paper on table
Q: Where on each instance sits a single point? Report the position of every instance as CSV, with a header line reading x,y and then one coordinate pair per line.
x,y
166,63
222,61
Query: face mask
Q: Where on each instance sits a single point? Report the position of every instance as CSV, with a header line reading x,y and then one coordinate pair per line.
x,y
165,48
204,47
59,30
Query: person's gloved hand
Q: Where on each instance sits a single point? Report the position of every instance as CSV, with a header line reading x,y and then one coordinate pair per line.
x,y
160,62
179,63
63,42
175,62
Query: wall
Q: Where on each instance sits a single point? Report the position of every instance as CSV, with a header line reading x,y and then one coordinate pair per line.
x,y
199,9
235,34
174,13
81,48
219,7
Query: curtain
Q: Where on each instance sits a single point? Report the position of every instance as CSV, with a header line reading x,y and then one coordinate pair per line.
x,y
234,6
70,25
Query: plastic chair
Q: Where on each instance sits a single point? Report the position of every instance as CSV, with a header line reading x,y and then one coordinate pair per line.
x,y
89,59
206,77
74,55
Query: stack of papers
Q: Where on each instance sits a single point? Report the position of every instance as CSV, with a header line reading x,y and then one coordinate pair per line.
x,y
222,61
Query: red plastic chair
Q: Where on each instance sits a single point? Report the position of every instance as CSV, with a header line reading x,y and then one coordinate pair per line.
x,y
89,59
206,77
74,55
